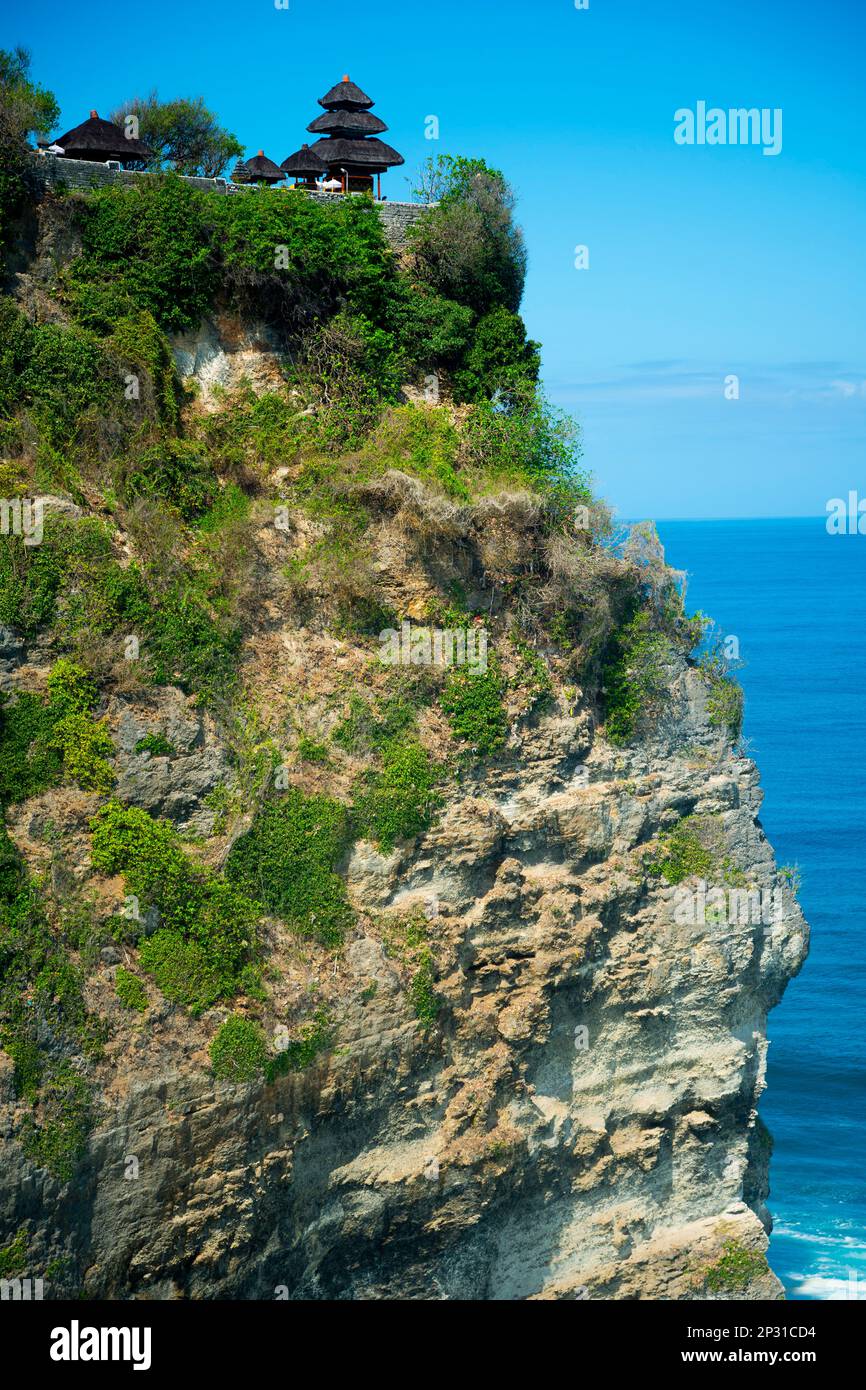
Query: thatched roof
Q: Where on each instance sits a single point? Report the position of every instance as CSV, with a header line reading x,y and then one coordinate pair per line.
x,y
240,173
372,154
304,161
347,123
261,169
345,96
96,138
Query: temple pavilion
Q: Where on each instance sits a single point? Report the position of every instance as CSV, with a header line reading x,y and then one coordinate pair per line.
x,y
349,146
260,169
304,167
98,139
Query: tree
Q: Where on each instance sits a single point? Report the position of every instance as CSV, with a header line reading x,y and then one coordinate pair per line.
x,y
26,109
183,134
468,247
36,108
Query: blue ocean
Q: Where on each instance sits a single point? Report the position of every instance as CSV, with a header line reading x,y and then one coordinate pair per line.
x,y
793,595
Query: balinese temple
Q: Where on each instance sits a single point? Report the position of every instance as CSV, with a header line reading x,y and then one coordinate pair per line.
x,y
304,167
101,140
350,147
260,169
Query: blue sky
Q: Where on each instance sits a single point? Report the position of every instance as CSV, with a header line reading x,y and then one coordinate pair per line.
x,y
705,261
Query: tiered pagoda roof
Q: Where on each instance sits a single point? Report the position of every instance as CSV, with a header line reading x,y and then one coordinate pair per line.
x,y
349,133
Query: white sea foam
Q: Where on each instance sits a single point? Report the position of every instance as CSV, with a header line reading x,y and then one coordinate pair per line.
x,y
830,1290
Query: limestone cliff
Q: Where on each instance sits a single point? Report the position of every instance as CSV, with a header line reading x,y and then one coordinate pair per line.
x,y
500,1152
494,1057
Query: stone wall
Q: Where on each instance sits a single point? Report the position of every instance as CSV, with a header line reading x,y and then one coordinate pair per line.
x,y
56,172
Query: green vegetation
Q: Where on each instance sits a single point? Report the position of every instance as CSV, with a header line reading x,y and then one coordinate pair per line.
x,y
177,472
288,860
469,248
424,441
527,443
683,852
532,679
374,728
725,696
407,939
239,1051
45,741
59,1136
312,1038
633,680
474,705
188,646
207,935
398,801
13,1257
309,751
26,110
182,133
735,1268
71,583
130,990
56,373
422,995
44,1024
157,745
694,847
147,243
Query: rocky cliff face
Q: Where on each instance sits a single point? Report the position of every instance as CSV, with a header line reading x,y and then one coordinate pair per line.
x,y
531,1070
579,1121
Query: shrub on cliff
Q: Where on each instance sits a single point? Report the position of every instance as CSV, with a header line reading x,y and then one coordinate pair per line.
x,y
175,470
42,741
239,1051
399,800
423,441
351,370
499,360
207,932
55,373
475,709
527,443
149,241
44,1024
469,248
313,255
288,860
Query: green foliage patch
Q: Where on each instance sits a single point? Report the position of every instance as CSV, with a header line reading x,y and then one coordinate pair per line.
x,y
288,860
474,704
312,1038
399,800
633,679
130,990
44,1024
239,1051
735,1269
44,741
207,934
694,847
